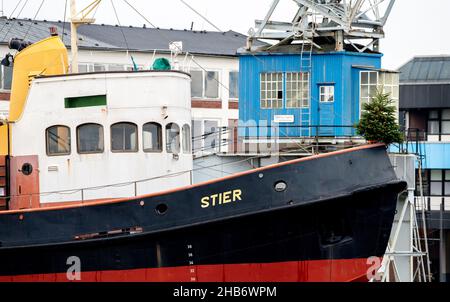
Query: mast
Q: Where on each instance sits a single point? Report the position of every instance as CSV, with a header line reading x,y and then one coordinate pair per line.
x,y
74,36
77,19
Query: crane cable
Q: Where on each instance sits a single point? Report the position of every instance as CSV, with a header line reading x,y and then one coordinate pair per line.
x,y
166,38
25,4
201,16
10,16
33,20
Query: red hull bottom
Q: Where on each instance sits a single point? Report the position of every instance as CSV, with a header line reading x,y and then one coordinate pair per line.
x,y
297,271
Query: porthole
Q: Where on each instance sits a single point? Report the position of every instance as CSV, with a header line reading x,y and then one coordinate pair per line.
x,y
280,186
161,209
27,169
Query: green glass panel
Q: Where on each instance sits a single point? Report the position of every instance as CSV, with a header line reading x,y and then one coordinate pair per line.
x,y
85,101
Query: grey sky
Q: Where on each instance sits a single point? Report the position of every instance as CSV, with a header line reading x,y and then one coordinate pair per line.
x,y
416,27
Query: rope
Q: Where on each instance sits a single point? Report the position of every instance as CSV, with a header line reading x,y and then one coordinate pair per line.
x,y
10,16
166,38
26,2
201,16
120,26
35,16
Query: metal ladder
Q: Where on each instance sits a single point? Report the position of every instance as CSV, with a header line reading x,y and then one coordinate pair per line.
x,y
306,66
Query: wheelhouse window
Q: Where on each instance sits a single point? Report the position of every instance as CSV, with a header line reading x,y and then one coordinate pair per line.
x,y
187,138
58,140
173,138
90,139
152,137
271,90
326,94
124,137
297,90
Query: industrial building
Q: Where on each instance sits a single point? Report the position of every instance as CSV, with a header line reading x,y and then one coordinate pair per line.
x,y
425,114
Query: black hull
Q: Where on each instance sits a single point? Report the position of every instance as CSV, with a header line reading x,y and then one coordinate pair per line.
x,y
344,212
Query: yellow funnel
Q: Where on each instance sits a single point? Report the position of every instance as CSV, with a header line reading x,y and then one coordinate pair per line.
x,y
47,57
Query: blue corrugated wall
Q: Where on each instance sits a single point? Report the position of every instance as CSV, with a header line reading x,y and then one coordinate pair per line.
x,y
337,68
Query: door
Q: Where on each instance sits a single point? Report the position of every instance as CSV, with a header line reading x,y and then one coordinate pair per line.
x,y
326,111
24,183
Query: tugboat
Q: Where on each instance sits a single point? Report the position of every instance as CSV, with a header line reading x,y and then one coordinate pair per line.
x,y
97,170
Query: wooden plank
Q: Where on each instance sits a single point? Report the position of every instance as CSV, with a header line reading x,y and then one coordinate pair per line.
x,y
2,160
2,182
2,203
2,171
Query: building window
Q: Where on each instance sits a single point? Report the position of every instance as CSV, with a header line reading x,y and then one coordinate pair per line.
x,y
447,183
206,136
297,90
234,85
212,85
205,84
271,90
326,94
373,81
152,137
445,121
173,138
99,67
187,138
369,86
439,122
434,122
58,140
389,83
124,137
83,68
439,183
90,139
6,73
116,67
436,183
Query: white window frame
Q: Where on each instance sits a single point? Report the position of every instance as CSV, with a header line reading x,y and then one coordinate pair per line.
x,y
328,91
366,98
202,146
229,81
295,87
204,97
381,85
266,89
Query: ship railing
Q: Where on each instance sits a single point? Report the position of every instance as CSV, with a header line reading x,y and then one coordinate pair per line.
x,y
308,139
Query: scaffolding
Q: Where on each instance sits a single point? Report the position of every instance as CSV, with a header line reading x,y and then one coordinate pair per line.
x,y
407,255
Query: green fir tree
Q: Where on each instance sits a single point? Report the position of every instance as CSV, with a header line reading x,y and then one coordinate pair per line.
x,y
378,122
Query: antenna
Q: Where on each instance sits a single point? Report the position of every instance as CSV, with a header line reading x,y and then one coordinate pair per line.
x,y
2,10
340,20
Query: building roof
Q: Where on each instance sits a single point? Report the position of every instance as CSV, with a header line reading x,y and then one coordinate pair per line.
x,y
110,37
426,70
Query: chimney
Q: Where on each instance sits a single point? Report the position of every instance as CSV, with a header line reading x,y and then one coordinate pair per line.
x,y
53,31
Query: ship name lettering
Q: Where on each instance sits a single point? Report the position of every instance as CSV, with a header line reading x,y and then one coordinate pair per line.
x,y
221,198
